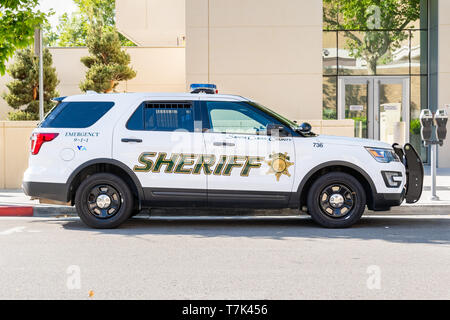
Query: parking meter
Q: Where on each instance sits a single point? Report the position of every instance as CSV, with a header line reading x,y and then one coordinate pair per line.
x,y
426,121
441,118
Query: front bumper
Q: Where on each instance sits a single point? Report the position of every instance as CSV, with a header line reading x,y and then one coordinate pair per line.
x,y
414,181
414,171
384,201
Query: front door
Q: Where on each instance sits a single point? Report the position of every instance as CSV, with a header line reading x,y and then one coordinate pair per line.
x,y
251,168
378,105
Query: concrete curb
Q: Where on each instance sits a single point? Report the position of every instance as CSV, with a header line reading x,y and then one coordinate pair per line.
x,y
65,211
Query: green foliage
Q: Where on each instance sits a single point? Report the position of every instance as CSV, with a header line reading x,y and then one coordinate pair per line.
x,y
24,88
17,23
415,126
73,30
108,63
388,17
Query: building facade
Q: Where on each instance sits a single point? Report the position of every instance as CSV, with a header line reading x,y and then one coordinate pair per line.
x,y
315,60
377,65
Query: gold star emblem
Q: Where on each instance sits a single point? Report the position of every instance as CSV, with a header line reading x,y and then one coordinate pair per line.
x,y
279,164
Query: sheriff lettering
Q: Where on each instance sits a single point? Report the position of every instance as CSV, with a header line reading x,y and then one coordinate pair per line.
x,y
186,163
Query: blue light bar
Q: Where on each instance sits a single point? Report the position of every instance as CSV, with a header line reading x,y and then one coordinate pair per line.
x,y
204,88
203,85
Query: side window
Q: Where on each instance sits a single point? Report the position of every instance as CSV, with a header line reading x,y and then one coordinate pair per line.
x,y
165,116
237,117
81,114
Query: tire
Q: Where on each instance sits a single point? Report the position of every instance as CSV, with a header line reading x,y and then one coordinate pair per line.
x,y
92,204
331,207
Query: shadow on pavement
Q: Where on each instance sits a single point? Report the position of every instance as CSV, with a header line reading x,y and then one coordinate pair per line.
x,y
393,229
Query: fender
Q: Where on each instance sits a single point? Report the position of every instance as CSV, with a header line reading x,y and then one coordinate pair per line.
x,y
295,198
117,163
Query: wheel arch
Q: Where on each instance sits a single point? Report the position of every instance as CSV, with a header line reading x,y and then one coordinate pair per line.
x,y
336,166
104,165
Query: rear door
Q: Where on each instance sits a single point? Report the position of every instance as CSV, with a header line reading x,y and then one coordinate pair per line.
x,y
251,168
161,141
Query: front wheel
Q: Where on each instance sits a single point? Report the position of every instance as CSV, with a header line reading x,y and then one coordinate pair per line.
x,y
336,200
104,201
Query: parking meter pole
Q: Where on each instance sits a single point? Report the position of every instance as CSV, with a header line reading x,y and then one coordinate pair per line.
x,y
433,197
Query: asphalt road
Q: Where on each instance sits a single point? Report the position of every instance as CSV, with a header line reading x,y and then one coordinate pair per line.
x,y
239,258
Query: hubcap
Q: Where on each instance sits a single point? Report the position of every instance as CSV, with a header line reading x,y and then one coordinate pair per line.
x,y
103,201
337,200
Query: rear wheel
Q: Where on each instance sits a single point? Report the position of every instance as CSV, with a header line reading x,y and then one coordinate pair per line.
x,y
336,200
104,201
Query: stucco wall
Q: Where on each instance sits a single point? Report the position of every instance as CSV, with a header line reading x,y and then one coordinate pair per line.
x,y
152,22
14,151
444,75
266,50
159,69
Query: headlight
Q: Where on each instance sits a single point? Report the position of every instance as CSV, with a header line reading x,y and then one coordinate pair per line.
x,y
383,155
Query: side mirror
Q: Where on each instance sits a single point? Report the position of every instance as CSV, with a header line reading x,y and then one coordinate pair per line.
x,y
426,120
305,127
441,118
277,130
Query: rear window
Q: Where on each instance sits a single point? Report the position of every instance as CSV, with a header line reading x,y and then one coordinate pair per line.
x,y
162,116
76,114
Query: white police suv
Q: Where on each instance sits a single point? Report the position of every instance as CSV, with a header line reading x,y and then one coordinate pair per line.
x,y
111,155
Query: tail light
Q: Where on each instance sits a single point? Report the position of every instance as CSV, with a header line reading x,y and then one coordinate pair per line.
x,y
37,139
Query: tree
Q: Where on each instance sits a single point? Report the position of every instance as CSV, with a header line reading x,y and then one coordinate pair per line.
x,y
24,88
108,63
17,23
383,21
73,30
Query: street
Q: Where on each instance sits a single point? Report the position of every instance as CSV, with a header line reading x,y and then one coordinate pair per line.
x,y
382,257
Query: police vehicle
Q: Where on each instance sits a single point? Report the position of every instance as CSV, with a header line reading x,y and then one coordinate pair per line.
x,y
111,155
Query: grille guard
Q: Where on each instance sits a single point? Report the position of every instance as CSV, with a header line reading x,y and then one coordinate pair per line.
x,y
414,171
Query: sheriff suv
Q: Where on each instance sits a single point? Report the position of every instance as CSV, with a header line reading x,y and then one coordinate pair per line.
x,y
111,155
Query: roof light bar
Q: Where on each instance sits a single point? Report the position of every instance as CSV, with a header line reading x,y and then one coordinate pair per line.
x,y
204,88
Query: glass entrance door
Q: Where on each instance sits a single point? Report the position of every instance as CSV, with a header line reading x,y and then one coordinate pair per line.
x,y
378,105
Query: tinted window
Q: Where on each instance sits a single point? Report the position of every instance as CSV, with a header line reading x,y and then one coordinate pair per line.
x,y
76,114
237,117
162,117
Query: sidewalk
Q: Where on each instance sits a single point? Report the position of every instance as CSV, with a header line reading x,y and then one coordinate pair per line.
x,y
18,199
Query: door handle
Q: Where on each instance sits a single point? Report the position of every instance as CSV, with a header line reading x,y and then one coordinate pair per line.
x,y
224,144
131,140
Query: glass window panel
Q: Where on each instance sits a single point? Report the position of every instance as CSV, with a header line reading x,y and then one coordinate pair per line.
x,y
237,117
393,48
418,102
392,124
423,24
421,11
350,56
168,117
329,88
329,53
356,107
374,14
373,52
82,114
419,54
330,15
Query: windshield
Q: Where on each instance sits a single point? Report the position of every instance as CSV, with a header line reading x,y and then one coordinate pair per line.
x,y
277,116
